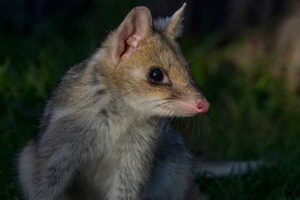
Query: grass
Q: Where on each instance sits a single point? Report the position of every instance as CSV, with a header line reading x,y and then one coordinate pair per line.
x,y
256,118
252,115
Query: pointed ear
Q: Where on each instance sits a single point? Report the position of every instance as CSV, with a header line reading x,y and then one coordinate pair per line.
x,y
136,26
175,26
171,26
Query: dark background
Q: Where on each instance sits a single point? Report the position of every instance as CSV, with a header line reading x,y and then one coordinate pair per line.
x,y
245,55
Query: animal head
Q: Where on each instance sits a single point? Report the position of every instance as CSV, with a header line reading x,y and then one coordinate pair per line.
x,y
146,67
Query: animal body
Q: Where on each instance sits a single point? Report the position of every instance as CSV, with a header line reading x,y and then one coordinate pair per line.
x,y
105,134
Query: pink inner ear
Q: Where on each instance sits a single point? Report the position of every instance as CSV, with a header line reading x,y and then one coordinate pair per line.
x,y
124,36
133,40
135,27
132,36
129,45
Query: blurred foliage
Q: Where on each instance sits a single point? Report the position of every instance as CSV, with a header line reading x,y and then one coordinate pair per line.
x,y
252,116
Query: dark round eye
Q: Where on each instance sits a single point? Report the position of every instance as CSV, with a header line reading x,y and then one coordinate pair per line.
x,y
156,75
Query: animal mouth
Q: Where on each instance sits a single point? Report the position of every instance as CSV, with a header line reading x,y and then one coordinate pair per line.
x,y
191,107
184,107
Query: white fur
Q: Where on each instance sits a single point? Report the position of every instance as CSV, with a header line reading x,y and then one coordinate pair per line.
x,y
161,24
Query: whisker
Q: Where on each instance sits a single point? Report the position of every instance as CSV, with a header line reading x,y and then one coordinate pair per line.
x,y
220,127
159,105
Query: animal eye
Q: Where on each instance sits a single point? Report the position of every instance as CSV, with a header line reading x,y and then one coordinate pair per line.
x,y
156,75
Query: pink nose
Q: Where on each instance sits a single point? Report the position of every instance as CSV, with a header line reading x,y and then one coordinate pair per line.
x,y
203,106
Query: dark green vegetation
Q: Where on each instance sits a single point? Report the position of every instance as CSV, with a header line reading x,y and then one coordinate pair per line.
x,y
252,116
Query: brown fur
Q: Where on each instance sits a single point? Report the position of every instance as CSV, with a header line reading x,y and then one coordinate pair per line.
x,y
101,134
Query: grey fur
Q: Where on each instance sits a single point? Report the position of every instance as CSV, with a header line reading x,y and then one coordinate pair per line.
x,y
95,143
90,148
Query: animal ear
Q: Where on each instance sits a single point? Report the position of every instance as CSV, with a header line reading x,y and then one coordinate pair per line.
x,y
136,26
171,26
